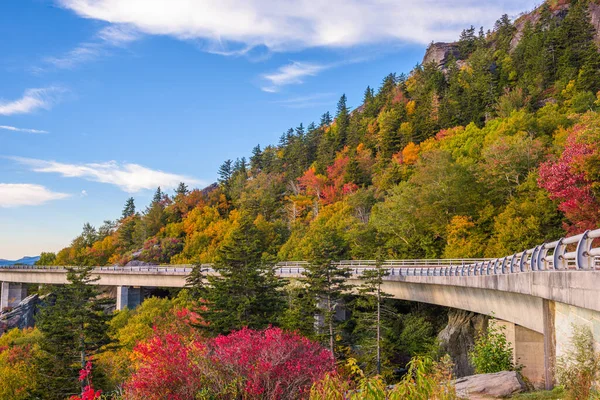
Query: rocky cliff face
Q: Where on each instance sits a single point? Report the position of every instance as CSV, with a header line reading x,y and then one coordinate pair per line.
x,y
23,315
439,53
458,337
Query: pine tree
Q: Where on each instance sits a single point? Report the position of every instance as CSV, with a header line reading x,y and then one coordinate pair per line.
x,y
325,119
371,298
158,196
196,282
245,290
89,235
129,208
182,189
300,131
342,121
155,217
75,331
256,163
225,172
326,282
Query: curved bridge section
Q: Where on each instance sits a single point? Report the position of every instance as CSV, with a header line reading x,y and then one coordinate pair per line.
x,y
543,290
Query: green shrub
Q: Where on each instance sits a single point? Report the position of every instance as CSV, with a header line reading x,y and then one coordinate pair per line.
x,y
492,352
578,371
425,380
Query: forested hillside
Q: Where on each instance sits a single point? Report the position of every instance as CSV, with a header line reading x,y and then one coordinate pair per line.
x,y
489,153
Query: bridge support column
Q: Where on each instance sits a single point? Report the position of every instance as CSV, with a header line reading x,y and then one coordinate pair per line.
x,y
549,317
11,294
129,296
528,351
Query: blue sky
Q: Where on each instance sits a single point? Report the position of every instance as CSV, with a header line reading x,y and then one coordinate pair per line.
x,y
105,99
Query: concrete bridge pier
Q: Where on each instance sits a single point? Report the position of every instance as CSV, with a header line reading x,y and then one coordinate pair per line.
x,y
11,294
528,351
129,296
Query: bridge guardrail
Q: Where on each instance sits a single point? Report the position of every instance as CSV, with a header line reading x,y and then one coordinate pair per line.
x,y
570,253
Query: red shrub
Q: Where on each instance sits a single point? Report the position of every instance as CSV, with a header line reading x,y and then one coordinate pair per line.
x,y
274,364
269,364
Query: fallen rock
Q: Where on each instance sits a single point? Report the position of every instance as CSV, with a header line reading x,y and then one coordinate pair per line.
x,y
497,385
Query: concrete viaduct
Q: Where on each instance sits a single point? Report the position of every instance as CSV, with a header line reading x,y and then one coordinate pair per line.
x,y
538,294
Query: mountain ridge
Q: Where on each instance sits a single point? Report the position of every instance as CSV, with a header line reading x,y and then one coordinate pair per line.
x,y
27,260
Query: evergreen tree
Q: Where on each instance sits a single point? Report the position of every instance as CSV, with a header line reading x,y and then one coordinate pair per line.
x,y
504,30
182,189
74,329
129,208
325,119
342,121
225,174
326,282
300,131
196,282
467,42
89,235
371,299
256,164
158,196
245,290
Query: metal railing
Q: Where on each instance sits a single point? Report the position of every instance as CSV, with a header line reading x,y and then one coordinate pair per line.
x,y
570,253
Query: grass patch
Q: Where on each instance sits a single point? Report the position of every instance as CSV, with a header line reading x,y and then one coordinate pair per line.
x,y
555,394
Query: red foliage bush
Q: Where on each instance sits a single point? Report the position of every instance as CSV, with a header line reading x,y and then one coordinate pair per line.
x,y
273,363
269,364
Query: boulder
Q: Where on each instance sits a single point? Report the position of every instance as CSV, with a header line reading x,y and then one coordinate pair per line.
x,y
497,385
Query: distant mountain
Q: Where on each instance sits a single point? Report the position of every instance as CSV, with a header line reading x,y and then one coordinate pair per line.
x,y
24,260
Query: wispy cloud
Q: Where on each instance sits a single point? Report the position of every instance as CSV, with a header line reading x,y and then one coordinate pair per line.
x,y
293,73
110,36
312,100
26,194
128,177
24,130
297,24
32,99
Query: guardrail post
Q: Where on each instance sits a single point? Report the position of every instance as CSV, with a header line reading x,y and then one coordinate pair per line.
x,y
522,261
558,260
533,263
583,260
541,258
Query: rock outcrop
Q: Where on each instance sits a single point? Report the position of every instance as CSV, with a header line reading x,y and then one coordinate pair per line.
x,y
497,385
23,315
439,53
458,337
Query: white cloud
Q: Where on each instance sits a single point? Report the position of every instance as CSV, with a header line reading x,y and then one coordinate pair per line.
x,y
110,36
24,130
32,100
293,73
25,194
296,24
118,35
128,177
312,100
84,193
